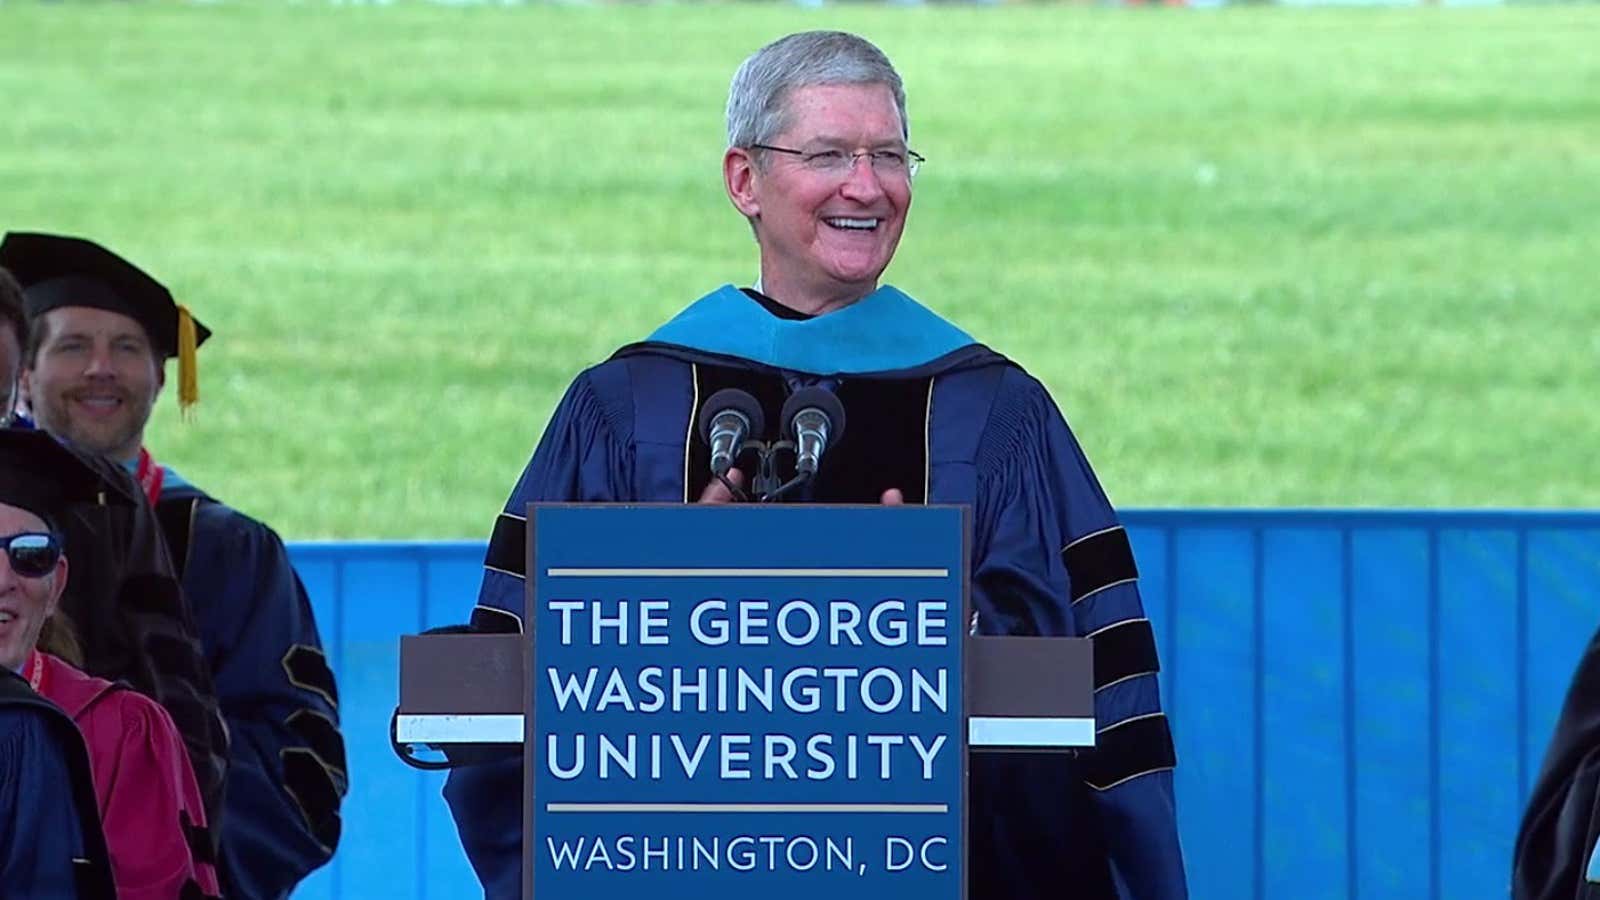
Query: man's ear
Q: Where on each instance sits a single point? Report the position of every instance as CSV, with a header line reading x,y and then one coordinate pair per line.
x,y
739,175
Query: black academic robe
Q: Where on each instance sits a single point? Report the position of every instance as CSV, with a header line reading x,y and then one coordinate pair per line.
x,y
129,611
50,844
1049,558
286,761
1561,826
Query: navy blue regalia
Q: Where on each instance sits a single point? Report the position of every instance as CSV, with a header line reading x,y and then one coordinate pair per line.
x,y
944,420
1557,853
51,844
286,761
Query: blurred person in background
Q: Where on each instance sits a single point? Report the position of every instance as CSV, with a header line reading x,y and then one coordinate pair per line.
x,y
101,330
818,164
148,802
13,336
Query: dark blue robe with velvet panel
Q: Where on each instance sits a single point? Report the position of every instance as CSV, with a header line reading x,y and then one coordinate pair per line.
x,y
946,421
50,839
286,760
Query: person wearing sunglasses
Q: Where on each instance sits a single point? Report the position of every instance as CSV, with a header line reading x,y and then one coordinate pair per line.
x,y
52,844
146,795
819,165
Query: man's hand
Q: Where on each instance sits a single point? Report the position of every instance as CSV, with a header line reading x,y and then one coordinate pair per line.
x,y
717,492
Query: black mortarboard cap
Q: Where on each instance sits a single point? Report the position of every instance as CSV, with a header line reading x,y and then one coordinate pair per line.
x,y
43,477
57,271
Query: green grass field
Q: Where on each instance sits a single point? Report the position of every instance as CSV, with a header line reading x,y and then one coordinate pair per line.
x,y
1262,256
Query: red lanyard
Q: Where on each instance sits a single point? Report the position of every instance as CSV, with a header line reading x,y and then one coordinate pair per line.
x,y
35,670
150,476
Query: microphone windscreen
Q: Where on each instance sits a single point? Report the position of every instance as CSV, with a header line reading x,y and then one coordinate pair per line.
x,y
731,399
815,398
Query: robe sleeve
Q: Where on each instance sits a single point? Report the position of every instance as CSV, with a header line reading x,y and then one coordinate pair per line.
x,y
42,831
149,800
286,760
1561,825
583,457
1051,559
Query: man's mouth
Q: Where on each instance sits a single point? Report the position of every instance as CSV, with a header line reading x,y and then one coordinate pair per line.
x,y
101,403
844,223
7,617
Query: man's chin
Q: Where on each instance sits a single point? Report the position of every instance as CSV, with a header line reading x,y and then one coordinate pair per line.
x,y
104,441
860,270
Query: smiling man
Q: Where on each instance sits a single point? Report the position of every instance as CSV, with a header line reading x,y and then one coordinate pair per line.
x,y
52,844
818,162
101,332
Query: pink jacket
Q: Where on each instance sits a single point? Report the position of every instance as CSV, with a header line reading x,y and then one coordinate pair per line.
x,y
150,806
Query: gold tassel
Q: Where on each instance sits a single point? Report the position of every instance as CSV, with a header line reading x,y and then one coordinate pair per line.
x,y
188,372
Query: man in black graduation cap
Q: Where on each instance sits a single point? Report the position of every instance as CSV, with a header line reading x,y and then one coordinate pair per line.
x,y
51,844
140,632
101,330
818,164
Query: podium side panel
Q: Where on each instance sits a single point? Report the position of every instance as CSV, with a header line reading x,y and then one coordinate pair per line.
x,y
1389,580
1305,737
1215,692
1477,708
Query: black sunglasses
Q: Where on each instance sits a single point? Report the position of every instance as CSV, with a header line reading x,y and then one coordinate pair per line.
x,y
33,554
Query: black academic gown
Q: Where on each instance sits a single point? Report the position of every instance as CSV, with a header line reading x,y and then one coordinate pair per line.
x,y
51,845
949,422
1561,826
286,761
129,610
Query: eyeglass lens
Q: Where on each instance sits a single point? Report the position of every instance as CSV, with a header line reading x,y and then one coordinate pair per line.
x,y
32,555
837,161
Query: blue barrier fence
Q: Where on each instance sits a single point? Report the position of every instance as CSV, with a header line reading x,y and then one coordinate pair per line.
x,y
1360,699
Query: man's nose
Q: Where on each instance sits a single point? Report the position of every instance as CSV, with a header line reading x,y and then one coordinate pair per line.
x,y
100,361
862,182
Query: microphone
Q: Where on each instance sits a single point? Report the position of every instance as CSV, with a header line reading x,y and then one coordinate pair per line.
x,y
813,418
726,420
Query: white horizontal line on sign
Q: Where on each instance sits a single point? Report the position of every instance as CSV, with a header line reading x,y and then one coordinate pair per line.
x,y
495,728
982,731
1029,731
935,808
747,573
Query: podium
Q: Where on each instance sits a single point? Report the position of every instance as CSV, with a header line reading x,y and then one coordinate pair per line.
x,y
747,700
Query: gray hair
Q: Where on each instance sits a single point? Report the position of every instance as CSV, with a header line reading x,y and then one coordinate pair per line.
x,y
757,98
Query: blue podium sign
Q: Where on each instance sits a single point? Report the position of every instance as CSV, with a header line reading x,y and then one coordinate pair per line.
x,y
746,701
